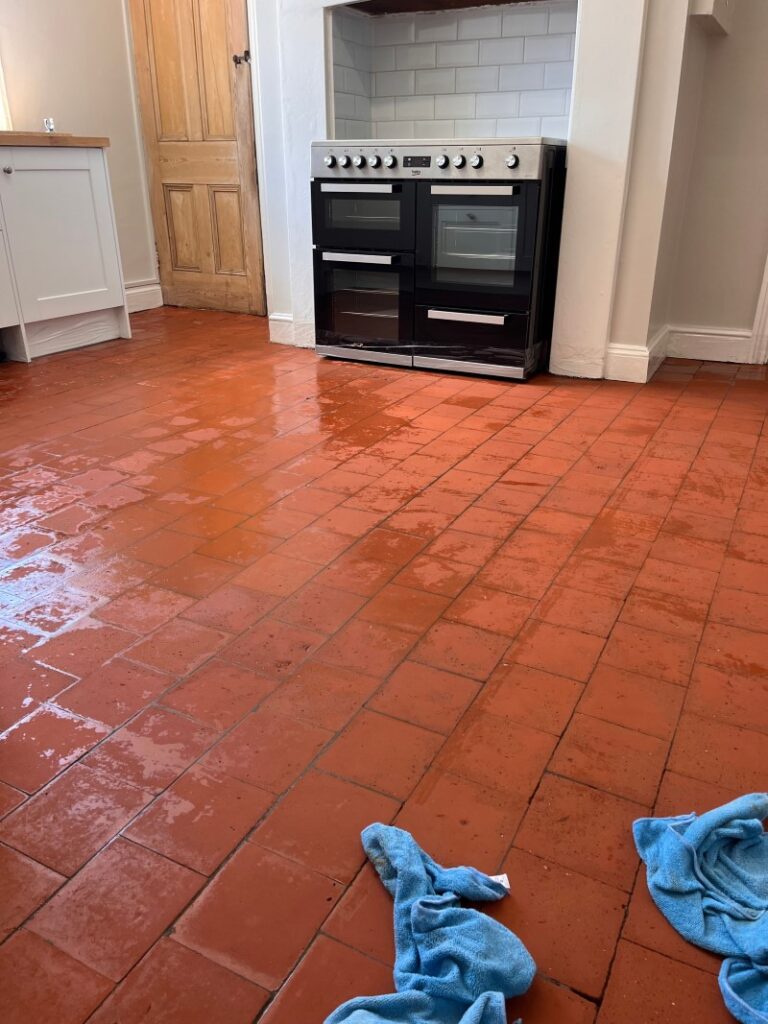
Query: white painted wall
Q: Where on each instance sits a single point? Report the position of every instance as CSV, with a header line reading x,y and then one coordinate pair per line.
x,y
72,61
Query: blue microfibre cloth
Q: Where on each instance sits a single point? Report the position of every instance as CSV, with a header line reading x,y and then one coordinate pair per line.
x,y
708,875
453,965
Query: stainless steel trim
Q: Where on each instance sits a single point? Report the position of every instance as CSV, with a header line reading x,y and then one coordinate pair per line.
x,y
466,318
364,355
333,187
489,369
357,257
471,190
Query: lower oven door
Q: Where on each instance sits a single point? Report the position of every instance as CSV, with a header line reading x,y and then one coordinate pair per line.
x,y
364,305
465,341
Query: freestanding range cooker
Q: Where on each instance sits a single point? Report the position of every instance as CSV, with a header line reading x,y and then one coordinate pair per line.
x,y
438,254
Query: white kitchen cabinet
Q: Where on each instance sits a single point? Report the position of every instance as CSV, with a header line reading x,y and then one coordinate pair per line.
x,y
63,271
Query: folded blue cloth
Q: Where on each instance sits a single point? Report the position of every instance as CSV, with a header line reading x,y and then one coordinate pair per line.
x,y
453,965
708,874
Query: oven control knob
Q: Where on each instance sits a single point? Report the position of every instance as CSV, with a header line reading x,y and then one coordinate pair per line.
x,y
459,160
374,161
390,161
330,160
512,161
359,161
476,161
344,161
442,161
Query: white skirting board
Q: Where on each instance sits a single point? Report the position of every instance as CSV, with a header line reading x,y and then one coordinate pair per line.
x,y
717,344
67,332
636,363
284,330
143,295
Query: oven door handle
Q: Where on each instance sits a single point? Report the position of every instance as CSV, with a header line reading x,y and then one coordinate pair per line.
x,y
360,257
332,186
473,190
466,318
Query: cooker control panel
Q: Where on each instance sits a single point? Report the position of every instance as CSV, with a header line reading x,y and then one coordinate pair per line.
x,y
458,159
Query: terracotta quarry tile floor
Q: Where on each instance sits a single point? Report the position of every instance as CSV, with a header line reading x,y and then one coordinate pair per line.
x,y
251,601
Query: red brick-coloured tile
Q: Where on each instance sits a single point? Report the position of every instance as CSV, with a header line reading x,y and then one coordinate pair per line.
x,y
181,985
530,697
178,647
40,983
329,974
83,648
43,744
25,684
152,750
545,1001
487,522
468,548
736,650
67,822
676,615
593,834
650,653
297,827
592,576
647,987
633,701
436,575
318,608
382,753
461,822
115,692
267,750
24,885
358,575
384,545
276,574
113,910
667,577
200,819
494,610
363,917
728,697
314,545
740,608
570,923
219,694
144,608
740,575
611,757
680,794
367,647
274,648
239,546
404,608
647,926
231,608
425,696
261,891
207,522
719,753
454,647
589,613
164,548
325,695
557,649
9,799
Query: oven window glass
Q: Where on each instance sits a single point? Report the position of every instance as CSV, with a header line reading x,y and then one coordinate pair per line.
x,y
365,304
474,244
362,213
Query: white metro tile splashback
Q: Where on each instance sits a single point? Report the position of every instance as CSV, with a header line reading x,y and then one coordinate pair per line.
x,y
484,72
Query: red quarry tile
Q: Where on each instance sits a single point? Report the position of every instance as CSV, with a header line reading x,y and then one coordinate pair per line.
x,y
633,701
273,648
144,608
324,695
531,698
425,696
200,819
116,907
267,750
649,988
59,610
329,975
195,575
242,547
612,758
455,647
382,753
43,744
740,575
298,827
319,608
231,608
68,821
436,575
367,647
735,650
413,610
113,693
570,923
494,610
44,985
261,891
557,649
314,545
647,926
277,574
25,683
593,833
650,653
680,794
545,1002
218,694
384,545
24,885
363,917
363,576
719,753
207,522
9,799
83,648
497,753
666,577
677,615
178,647
111,577
589,613
728,697
152,750
182,986
460,821
594,577
164,547
467,548
740,608
350,521
25,541
280,522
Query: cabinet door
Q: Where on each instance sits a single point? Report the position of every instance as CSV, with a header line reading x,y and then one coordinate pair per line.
x,y
8,313
61,234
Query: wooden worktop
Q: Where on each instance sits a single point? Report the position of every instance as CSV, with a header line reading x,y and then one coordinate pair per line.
x,y
52,139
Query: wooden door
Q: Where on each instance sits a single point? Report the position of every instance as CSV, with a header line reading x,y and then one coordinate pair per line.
x,y
198,128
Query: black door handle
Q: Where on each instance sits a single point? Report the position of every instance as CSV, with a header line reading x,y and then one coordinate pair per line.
x,y
242,58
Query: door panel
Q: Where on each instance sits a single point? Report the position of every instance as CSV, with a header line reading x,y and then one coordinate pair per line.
x,y
198,129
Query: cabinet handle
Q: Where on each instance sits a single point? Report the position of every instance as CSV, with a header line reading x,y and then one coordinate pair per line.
x,y
7,170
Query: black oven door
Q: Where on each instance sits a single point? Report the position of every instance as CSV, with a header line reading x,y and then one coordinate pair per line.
x,y
364,215
475,245
364,305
